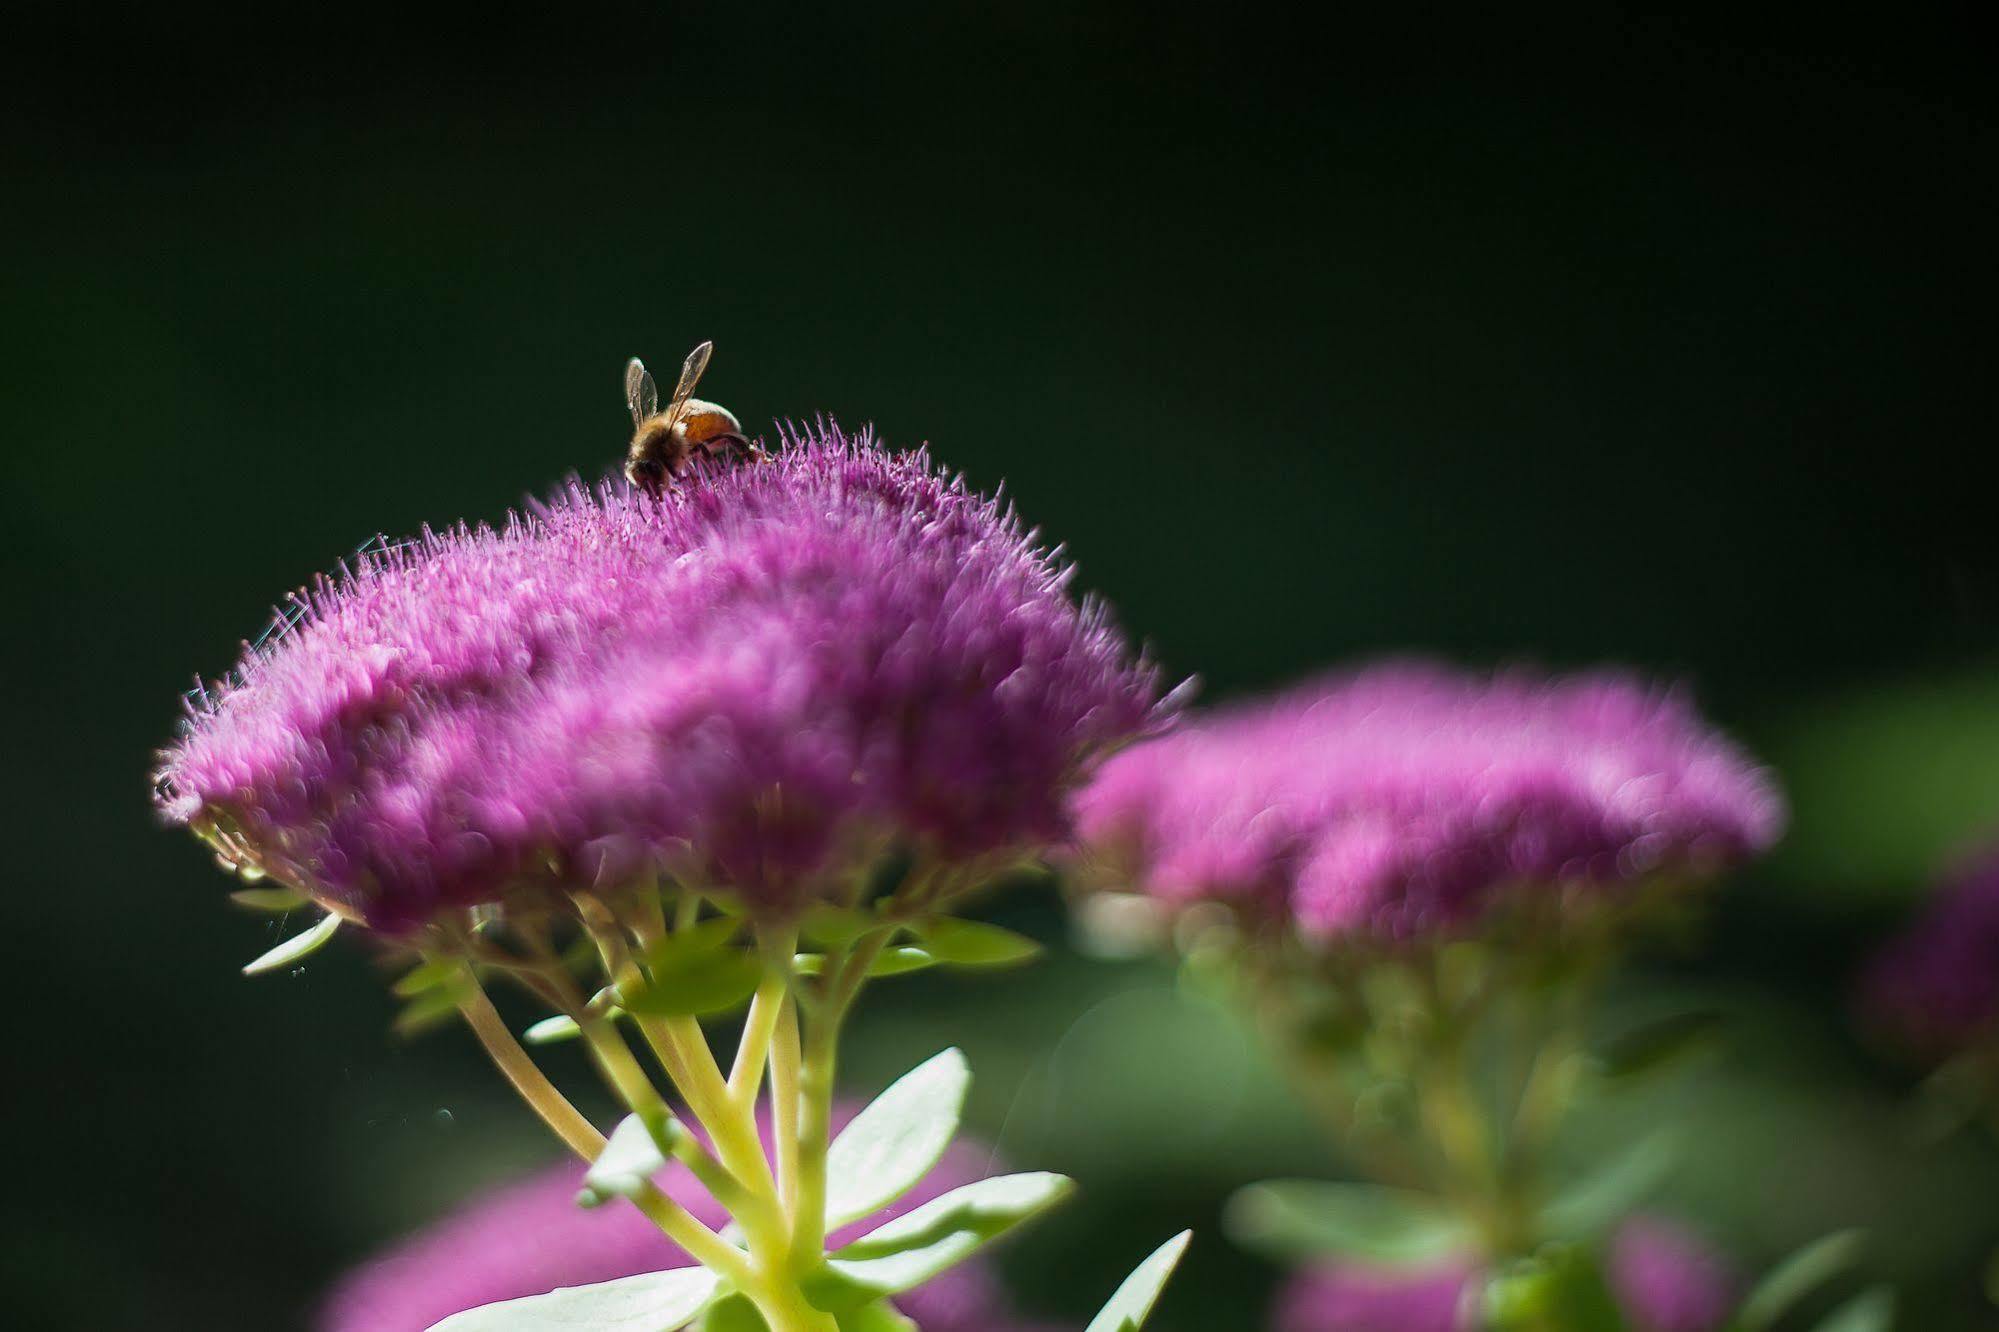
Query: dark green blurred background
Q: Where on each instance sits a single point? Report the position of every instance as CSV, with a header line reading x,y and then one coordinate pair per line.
x,y
1572,335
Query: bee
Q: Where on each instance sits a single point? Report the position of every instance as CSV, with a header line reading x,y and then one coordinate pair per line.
x,y
665,443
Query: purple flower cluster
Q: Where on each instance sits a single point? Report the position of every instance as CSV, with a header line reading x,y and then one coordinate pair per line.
x,y
1936,987
530,1236
1663,1277
752,682
1402,797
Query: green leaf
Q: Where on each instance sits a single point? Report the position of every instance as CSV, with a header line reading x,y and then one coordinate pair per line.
x,y
881,1316
914,1247
1589,1205
295,949
895,961
550,1031
276,900
888,962
888,1147
1872,1310
733,1313
429,1009
1132,1304
828,926
693,973
631,1157
1798,1276
1655,1046
651,1302
1298,1218
974,943
436,972
703,935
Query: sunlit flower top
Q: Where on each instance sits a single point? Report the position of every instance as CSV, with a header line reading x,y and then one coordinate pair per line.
x,y
530,1236
1404,796
1936,986
1664,1278
746,683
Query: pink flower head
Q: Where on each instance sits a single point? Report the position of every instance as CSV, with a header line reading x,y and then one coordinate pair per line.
x,y
1404,796
530,1236
1353,1297
1936,986
1663,1277
755,681
1668,1279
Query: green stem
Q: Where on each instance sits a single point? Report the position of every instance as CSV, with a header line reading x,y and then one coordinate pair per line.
x,y
542,1096
760,1026
815,1128
786,1060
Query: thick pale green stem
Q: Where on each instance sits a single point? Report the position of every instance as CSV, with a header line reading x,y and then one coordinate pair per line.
x,y
815,1126
786,1059
760,1025
533,1085
780,1211
542,1096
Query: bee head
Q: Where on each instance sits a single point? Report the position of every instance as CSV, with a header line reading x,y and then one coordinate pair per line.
x,y
648,474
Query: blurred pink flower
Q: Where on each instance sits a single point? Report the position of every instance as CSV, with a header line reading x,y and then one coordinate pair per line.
x,y
1936,985
1403,797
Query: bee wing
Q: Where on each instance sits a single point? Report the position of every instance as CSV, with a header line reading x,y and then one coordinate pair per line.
x,y
641,394
690,375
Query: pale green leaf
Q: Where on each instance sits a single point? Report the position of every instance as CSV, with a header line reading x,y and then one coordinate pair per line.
x,y
1798,1276
1132,1304
914,1247
887,1148
828,926
294,949
429,1009
974,943
651,1302
549,1031
733,1313
690,975
438,971
895,961
888,962
628,1162
1870,1311
1589,1205
269,899
1658,1045
1293,1219
881,1316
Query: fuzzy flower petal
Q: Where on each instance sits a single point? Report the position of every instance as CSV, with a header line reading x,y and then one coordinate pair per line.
x,y
777,667
530,1236
1936,986
1402,797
